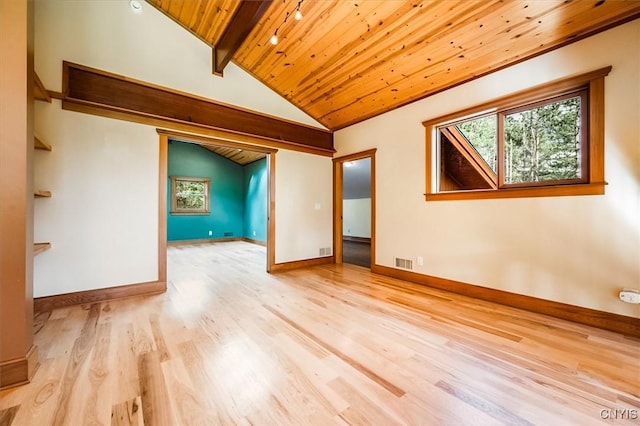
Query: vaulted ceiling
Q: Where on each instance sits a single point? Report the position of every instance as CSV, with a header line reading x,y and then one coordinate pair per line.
x,y
237,155
349,60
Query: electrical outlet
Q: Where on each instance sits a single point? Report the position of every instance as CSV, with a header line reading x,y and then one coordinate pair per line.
x,y
254,233
630,295
210,233
420,261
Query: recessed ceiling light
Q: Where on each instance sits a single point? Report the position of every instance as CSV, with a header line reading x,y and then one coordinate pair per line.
x,y
136,6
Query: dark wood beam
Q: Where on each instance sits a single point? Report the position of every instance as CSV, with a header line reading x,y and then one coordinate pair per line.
x,y
97,91
245,18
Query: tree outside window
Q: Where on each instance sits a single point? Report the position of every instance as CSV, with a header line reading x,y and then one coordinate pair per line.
x,y
189,195
546,141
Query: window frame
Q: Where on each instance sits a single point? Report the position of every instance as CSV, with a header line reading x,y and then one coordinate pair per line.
x,y
592,182
583,94
175,210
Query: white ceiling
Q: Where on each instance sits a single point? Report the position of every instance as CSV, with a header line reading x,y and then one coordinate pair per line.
x,y
356,180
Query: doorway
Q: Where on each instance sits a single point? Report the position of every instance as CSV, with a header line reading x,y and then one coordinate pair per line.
x,y
218,147
354,205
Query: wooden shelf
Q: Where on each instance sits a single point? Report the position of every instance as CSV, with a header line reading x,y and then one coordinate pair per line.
x,y
40,92
39,144
40,247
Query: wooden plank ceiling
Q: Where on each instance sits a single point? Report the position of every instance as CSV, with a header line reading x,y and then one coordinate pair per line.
x,y
237,155
206,19
347,61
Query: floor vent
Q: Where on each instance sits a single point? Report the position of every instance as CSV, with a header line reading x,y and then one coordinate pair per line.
x,y
404,263
325,251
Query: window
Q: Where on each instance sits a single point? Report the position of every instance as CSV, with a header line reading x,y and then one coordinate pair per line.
x,y
546,141
189,195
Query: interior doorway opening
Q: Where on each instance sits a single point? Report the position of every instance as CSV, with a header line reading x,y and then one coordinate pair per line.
x,y
356,212
238,202
354,201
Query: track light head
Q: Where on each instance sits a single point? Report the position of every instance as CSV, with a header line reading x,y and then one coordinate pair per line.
x,y
297,16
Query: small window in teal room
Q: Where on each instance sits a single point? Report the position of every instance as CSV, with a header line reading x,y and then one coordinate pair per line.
x,y
189,195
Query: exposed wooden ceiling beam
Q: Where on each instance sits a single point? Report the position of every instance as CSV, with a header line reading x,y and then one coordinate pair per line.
x,y
246,17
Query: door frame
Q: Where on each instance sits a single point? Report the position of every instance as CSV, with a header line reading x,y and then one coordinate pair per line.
x,y
338,163
165,136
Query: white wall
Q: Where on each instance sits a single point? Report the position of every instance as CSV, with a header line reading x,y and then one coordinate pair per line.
x,y
107,35
356,217
102,218
304,209
576,250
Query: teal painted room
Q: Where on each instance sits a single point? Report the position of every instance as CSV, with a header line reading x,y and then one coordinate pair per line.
x,y
237,196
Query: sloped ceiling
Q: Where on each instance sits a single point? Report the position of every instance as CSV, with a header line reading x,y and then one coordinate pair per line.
x,y
347,61
206,19
237,155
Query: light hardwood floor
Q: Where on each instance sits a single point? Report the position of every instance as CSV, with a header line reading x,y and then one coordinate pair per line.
x,y
230,344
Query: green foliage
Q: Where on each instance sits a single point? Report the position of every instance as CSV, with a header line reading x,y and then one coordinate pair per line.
x,y
482,134
540,144
190,194
543,143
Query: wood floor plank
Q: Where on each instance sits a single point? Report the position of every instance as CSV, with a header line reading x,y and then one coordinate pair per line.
x,y
67,329
127,413
8,414
361,410
302,381
201,378
158,338
98,404
140,334
79,355
38,406
494,410
127,386
190,406
154,394
39,320
393,389
230,344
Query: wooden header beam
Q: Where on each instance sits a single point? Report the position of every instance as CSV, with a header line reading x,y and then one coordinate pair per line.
x,y
93,91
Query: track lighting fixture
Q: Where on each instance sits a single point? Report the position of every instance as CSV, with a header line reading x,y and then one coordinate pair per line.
x,y
297,15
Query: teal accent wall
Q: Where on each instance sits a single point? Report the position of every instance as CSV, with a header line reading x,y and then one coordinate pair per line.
x,y
226,194
255,200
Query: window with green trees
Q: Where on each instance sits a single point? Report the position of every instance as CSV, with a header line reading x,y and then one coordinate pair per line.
x,y
542,142
189,195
